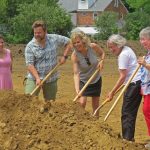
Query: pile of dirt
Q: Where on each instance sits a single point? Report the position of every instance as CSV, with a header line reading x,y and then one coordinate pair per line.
x,y
66,126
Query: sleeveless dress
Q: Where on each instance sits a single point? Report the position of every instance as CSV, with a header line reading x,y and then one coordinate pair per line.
x,y
5,72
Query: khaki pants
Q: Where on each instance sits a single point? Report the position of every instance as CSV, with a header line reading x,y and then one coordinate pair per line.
x,y
49,89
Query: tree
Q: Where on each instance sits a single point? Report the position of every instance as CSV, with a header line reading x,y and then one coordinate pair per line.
x,y
134,23
143,5
3,5
12,5
130,9
106,24
57,19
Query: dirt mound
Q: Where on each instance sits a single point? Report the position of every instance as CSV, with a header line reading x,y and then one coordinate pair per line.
x,y
65,127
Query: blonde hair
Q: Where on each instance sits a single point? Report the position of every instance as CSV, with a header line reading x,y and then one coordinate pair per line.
x,y
117,39
145,32
84,38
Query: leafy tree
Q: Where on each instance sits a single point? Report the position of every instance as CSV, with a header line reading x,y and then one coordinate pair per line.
x,y
136,3
57,19
143,5
12,5
106,24
134,23
130,8
3,5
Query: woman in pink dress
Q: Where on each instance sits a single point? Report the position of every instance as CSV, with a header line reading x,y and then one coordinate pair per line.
x,y
5,67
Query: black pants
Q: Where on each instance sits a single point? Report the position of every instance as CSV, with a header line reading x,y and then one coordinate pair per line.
x,y
131,102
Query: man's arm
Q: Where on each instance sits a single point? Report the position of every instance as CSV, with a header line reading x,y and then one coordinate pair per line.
x,y
34,72
67,50
29,57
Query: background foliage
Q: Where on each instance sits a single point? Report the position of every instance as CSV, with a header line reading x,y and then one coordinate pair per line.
x,y
22,13
17,17
106,24
137,18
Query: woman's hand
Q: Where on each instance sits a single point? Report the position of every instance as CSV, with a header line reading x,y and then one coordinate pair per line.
x,y
141,61
100,65
110,96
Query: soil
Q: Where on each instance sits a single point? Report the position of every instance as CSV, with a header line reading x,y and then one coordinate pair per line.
x,y
66,126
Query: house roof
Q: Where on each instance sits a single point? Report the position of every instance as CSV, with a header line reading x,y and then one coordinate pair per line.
x,y
72,5
69,5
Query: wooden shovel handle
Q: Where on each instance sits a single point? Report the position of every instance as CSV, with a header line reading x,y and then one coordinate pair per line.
x,y
87,83
107,100
47,76
121,93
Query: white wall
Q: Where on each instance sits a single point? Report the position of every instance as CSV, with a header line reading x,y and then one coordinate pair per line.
x,y
82,4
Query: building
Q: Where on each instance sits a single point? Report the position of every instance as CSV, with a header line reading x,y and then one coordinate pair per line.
x,y
84,12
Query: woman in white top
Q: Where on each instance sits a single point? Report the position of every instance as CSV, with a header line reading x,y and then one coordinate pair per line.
x,y
127,63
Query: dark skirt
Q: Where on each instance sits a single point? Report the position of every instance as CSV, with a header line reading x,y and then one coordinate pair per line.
x,y
92,90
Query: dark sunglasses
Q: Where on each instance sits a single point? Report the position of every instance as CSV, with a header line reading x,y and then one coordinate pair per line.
x,y
87,61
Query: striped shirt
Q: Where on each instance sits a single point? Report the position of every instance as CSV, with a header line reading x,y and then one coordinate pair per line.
x,y
44,59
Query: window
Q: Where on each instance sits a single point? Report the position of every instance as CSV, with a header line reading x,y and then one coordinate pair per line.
x,y
95,14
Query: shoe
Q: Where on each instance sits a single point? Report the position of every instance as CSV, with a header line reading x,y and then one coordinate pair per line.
x,y
45,107
147,146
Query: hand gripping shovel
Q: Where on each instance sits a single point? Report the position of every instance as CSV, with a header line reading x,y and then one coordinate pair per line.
x,y
47,76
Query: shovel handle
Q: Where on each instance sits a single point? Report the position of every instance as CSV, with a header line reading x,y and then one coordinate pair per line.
x,y
121,93
87,83
47,76
107,100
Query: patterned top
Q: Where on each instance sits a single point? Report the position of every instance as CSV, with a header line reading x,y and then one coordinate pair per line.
x,y
145,77
44,59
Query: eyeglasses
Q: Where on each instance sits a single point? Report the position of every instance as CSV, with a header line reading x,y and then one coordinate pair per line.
x,y
87,61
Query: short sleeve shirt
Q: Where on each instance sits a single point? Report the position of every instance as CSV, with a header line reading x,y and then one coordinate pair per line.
x,y
44,59
127,60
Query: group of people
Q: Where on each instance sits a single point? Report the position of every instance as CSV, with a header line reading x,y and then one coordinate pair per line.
x,y
41,57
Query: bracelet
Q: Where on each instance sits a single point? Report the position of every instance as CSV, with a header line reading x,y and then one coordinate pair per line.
x,y
66,57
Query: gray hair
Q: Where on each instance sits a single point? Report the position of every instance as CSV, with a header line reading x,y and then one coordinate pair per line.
x,y
117,39
145,32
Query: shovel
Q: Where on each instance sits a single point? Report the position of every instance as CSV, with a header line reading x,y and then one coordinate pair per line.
x,y
123,90
107,100
47,76
87,83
